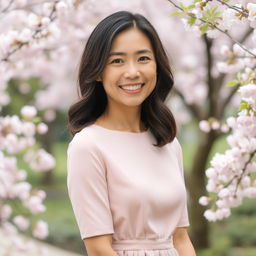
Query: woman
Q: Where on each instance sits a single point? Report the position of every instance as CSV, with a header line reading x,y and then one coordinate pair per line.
x,y
125,172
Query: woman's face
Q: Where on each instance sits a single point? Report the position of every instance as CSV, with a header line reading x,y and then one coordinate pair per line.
x,y
129,75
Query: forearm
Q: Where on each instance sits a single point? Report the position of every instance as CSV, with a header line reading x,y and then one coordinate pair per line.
x,y
185,248
182,243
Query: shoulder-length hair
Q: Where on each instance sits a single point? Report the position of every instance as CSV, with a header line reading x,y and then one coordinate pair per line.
x,y
155,115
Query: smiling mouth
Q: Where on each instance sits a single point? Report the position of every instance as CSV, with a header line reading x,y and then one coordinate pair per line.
x,y
131,87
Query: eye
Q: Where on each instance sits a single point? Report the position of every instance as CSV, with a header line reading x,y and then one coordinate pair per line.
x,y
144,58
116,61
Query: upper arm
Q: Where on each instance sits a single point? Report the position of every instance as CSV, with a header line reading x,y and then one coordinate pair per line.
x,y
87,188
184,220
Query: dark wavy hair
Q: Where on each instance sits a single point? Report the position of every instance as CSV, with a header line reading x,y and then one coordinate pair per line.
x,y
155,115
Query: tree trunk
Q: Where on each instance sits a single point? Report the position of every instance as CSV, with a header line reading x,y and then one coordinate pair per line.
x,y
197,187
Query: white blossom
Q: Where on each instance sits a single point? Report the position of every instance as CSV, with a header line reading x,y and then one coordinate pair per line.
x,y
41,230
28,112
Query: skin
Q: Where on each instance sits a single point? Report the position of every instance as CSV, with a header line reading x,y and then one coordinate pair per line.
x,y
131,61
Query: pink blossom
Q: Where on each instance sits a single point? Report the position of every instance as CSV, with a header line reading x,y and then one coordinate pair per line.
x,y
210,215
41,230
224,128
41,194
224,49
5,212
223,213
231,121
230,19
42,128
211,173
49,115
22,190
252,14
29,129
20,3
28,112
203,200
34,204
21,222
224,193
221,203
250,192
9,229
204,126
33,20
215,125
246,181
248,91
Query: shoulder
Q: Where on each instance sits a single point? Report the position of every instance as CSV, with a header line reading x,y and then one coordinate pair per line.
x,y
177,144
177,149
84,140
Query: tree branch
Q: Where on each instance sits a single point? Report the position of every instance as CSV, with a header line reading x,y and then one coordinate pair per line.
x,y
8,6
192,108
212,92
242,11
227,100
36,32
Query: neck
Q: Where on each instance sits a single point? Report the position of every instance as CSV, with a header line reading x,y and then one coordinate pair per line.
x,y
123,119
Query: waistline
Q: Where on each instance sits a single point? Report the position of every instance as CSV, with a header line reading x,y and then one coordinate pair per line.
x,y
139,244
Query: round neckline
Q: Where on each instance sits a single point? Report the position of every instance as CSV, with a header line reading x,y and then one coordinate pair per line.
x,y
117,131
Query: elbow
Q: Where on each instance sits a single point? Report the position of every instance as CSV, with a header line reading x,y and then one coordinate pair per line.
x,y
107,252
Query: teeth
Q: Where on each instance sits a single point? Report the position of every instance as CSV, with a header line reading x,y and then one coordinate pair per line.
x,y
132,87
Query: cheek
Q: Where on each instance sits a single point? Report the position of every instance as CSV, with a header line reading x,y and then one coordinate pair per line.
x,y
151,73
109,75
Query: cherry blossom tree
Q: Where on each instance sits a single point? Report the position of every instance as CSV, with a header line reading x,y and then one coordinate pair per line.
x,y
214,68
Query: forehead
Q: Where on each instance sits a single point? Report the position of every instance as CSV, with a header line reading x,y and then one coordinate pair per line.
x,y
131,40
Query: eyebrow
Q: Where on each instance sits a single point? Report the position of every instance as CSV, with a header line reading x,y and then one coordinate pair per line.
x,y
137,52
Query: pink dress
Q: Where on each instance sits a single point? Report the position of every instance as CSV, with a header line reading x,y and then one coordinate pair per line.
x,y
120,184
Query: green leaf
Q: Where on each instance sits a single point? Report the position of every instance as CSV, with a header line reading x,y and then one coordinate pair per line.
x,y
204,28
244,105
174,14
182,6
192,6
191,21
232,83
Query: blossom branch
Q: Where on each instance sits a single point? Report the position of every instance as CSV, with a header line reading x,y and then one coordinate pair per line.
x,y
194,109
228,98
244,169
242,11
27,6
8,6
212,25
52,17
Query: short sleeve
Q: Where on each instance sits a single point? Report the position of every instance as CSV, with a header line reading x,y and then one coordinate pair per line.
x,y
87,187
184,220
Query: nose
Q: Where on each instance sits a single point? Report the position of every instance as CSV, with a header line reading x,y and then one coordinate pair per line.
x,y
131,71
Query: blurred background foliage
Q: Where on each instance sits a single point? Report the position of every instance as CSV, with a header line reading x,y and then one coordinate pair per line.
x,y
234,236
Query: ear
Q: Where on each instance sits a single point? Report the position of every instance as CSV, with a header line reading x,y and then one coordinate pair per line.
x,y
98,79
